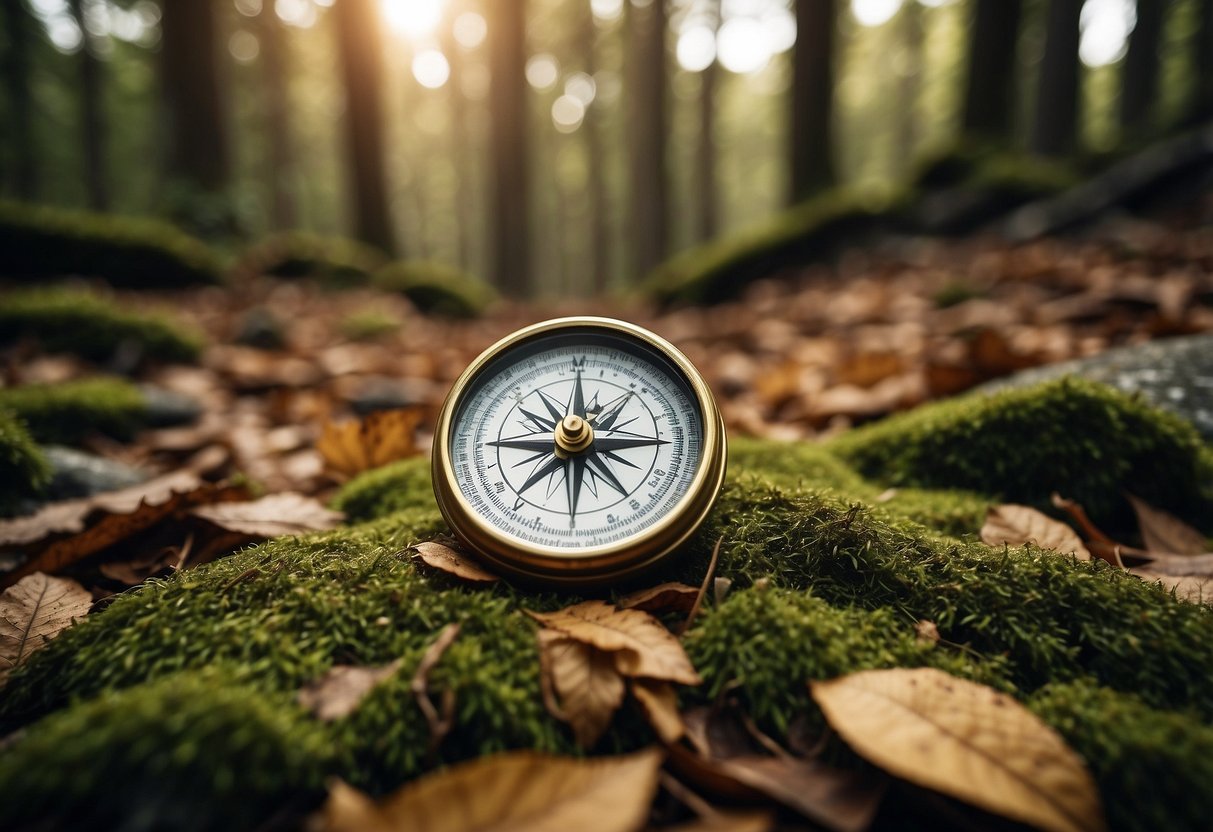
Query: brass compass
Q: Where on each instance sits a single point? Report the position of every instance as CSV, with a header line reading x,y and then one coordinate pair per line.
x,y
577,451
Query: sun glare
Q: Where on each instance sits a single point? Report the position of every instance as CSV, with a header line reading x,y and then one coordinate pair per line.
x,y
414,18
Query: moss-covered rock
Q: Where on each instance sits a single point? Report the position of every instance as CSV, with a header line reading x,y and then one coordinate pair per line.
x,y
436,288
92,326
368,325
24,471
336,261
40,242
1084,440
68,412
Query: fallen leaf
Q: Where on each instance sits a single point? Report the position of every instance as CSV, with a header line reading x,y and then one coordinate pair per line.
x,y
659,703
756,821
34,611
338,693
964,740
1015,525
589,688
1163,532
1196,589
520,791
926,632
439,723
667,597
273,516
454,562
642,646
1079,515
382,437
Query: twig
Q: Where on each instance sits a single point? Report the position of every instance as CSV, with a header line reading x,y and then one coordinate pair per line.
x,y
703,588
440,723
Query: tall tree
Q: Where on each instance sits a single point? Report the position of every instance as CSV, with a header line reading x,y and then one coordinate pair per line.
x,y
360,50
989,102
1139,84
93,127
20,110
648,198
460,152
909,19
276,112
1055,129
707,214
1202,102
510,203
596,180
198,151
812,98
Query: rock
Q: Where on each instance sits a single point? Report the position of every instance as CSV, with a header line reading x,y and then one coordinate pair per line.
x,y
1175,374
383,393
168,408
262,329
78,474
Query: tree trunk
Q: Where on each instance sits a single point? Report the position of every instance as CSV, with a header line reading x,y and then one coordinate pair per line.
x,y
598,204
1055,131
276,97
647,128
707,214
17,74
461,154
909,86
360,48
92,116
1202,105
197,119
1139,89
510,201
989,104
812,98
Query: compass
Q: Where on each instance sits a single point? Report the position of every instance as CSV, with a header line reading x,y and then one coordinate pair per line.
x,y
577,451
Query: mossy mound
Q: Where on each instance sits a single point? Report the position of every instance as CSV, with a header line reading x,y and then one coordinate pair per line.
x,y
40,242
368,325
24,471
821,586
333,260
68,412
1083,440
436,288
92,326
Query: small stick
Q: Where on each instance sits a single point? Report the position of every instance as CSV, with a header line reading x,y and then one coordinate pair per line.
x,y
703,588
439,724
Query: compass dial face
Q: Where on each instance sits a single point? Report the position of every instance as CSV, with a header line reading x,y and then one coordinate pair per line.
x,y
576,441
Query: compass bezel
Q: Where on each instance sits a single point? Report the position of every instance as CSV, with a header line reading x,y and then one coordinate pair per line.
x,y
592,564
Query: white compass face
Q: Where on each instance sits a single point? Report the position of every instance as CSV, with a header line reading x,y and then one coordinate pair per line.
x,y
637,416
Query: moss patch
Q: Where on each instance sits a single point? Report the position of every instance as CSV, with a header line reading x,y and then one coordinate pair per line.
x,y
24,471
92,326
68,412
38,242
333,260
437,289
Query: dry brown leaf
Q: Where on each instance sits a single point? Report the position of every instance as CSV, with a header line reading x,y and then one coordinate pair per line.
x,y
521,791
659,703
273,516
667,597
754,821
964,740
589,688
455,562
439,723
338,693
926,632
1197,589
385,436
33,612
1165,533
1015,525
642,647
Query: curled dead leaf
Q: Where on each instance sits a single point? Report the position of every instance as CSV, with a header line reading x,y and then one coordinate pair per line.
x,y
273,516
385,436
1194,588
659,703
1015,525
1164,533
454,561
338,693
667,597
965,740
35,610
584,678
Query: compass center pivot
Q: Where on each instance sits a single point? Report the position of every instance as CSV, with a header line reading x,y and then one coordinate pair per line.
x,y
573,435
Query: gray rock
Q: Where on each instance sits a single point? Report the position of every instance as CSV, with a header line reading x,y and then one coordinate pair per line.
x,y
381,393
79,474
1175,374
166,408
262,329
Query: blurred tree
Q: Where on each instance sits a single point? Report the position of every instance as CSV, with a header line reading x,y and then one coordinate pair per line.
x,y
460,152
812,152
18,29
648,129
1202,106
93,127
276,110
990,85
1055,128
1139,84
510,203
911,71
360,49
596,184
198,154
707,215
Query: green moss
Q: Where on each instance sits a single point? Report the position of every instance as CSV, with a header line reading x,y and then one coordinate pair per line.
x,y
436,288
93,326
24,471
191,752
816,228
334,260
40,242
1153,767
68,412
1083,440
368,325
397,486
